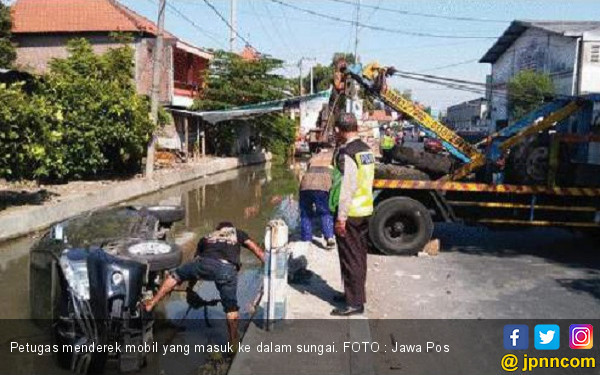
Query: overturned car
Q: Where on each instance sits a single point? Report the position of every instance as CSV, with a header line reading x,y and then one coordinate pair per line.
x,y
89,275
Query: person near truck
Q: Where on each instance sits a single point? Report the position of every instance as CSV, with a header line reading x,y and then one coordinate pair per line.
x,y
314,197
351,198
387,144
217,259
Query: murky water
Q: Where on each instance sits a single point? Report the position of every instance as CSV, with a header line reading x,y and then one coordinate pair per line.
x,y
248,197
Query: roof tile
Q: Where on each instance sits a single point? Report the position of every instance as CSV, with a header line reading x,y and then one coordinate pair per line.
x,y
70,16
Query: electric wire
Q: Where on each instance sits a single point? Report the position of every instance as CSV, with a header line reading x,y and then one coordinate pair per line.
x,y
378,28
421,14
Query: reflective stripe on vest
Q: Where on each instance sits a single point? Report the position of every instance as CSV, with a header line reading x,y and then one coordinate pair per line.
x,y
362,201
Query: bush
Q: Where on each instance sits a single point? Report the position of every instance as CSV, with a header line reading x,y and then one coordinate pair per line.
x,y
83,119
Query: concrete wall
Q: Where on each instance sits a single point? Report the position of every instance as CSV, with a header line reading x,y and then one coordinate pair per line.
x,y
590,65
537,50
34,52
143,68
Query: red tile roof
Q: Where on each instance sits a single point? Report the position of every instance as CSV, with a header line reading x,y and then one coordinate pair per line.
x,y
380,115
74,16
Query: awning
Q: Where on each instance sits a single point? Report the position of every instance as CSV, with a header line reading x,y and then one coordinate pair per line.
x,y
252,110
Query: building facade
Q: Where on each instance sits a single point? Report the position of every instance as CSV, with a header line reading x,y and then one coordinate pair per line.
x,y
470,116
42,29
568,51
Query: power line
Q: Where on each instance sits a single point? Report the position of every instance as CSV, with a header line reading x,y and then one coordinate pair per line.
x,y
429,15
430,76
450,65
194,24
216,11
378,28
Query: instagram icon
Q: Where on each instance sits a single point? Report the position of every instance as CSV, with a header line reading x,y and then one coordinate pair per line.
x,y
581,336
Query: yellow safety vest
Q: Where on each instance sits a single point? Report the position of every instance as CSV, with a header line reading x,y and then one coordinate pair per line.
x,y
387,142
362,200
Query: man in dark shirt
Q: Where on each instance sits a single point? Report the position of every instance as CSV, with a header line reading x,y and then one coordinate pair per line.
x,y
217,259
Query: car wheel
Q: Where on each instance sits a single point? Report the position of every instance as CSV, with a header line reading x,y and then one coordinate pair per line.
x,y
159,255
167,214
400,226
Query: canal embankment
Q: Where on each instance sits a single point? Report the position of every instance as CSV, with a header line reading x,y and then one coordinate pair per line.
x,y
19,221
313,335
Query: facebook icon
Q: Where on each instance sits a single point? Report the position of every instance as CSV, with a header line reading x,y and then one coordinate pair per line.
x,y
516,337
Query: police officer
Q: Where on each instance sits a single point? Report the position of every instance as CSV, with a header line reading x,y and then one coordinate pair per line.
x,y
387,144
351,197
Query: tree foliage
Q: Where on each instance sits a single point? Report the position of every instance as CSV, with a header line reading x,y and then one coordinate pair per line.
x,y
7,49
526,92
84,118
231,82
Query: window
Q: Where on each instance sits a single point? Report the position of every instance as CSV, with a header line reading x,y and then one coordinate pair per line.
x,y
595,54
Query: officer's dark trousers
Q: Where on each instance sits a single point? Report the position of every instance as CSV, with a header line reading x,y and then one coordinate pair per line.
x,y
353,260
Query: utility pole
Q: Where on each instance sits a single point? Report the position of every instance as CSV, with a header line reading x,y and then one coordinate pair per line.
x,y
300,62
356,31
157,63
233,23
312,83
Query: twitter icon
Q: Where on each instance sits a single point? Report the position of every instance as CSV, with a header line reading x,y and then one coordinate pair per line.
x,y
546,336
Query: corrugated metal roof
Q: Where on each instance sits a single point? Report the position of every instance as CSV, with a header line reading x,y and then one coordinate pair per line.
x,y
518,27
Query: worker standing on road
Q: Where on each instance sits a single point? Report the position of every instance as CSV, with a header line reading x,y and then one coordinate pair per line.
x,y
351,198
387,144
217,259
314,197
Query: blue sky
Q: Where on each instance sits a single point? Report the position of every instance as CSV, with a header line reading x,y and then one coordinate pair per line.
x,y
290,34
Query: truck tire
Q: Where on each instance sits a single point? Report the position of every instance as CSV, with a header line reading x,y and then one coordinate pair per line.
x,y
167,214
400,226
397,172
159,255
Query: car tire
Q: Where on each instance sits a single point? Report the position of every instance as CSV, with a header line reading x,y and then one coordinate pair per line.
x,y
400,226
159,255
167,214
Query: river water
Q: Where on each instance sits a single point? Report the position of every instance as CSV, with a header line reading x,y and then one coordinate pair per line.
x,y
247,197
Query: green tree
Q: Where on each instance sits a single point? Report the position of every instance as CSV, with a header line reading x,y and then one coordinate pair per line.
x,y
231,82
323,74
89,118
7,49
526,92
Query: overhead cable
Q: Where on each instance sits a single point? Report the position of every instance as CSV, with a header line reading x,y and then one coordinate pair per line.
x,y
379,28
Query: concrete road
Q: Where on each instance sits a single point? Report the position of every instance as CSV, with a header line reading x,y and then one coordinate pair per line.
x,y
484,273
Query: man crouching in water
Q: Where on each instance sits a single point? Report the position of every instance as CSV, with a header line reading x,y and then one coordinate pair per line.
x,y
217,259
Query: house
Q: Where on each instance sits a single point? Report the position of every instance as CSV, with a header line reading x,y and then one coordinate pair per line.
x,y
42,28
469,116
568,51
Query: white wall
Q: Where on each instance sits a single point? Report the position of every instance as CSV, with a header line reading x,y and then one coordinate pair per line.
x,y
538,50
590,67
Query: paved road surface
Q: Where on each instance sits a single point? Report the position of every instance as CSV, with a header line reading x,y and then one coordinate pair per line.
x,y
483,273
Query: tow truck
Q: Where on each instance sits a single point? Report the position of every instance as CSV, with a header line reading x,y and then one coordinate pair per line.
x,y
406,208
